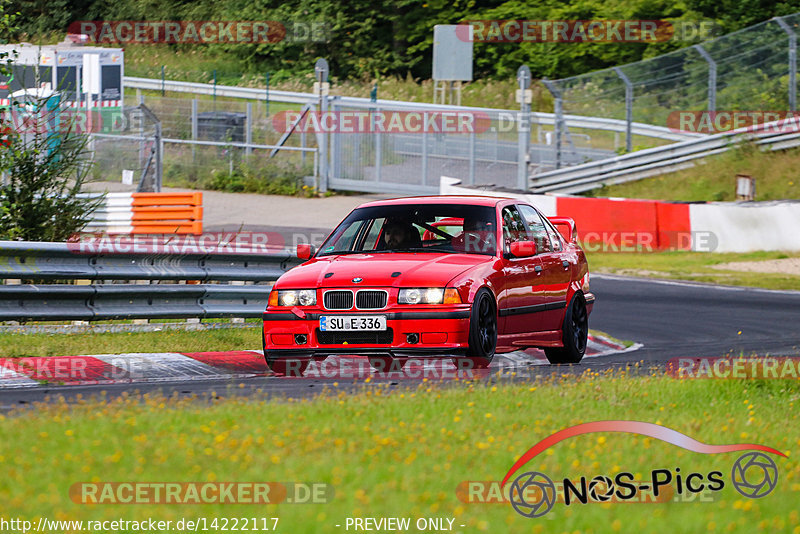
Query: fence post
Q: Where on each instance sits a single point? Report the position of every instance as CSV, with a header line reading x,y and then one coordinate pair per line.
x,y
712,77
249,129
559,117
267,93
377,149
214,97
194,127
472,157
162,80
523,126
628,108
792,62
424,151
321,75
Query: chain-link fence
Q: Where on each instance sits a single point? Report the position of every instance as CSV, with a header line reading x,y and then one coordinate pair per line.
x,y
751,69
126,148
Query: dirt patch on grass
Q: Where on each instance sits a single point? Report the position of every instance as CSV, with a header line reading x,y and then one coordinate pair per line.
x,y
782,266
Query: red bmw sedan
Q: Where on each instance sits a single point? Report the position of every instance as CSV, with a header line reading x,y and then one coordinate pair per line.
x,y
461,277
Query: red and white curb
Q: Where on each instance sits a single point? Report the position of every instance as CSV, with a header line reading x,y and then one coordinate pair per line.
x,y
152,367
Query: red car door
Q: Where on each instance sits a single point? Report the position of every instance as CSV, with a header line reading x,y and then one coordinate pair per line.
x,y
520,305
554,281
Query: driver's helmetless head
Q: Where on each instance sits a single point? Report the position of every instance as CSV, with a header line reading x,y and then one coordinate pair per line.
x,y
395,234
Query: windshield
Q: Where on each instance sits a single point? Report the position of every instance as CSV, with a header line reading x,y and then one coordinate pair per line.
x,y
442,228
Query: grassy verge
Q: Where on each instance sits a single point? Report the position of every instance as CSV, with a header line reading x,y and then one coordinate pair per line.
x,y
715,179
26,345
694,266
404,454
32,345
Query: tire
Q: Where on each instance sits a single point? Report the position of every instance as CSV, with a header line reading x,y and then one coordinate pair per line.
x,y
387,364
482,333
575,333
288,366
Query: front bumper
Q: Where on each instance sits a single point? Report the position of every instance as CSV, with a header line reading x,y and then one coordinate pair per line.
x,y
439,332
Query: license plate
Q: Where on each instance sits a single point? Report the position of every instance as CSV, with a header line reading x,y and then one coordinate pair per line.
x,y
328,323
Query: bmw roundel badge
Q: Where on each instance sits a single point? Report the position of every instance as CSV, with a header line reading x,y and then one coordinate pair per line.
x,y
357,280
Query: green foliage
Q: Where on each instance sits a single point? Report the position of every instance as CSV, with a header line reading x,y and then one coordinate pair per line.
x,y
45,169
365,38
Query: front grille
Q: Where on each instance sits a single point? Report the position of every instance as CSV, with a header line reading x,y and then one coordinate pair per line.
x,y
340,338
370,300
338,300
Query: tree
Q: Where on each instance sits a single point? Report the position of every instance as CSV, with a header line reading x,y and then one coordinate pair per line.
x,y
44,164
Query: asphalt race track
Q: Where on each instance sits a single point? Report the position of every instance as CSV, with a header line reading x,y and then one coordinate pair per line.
x,y
669,319
673,318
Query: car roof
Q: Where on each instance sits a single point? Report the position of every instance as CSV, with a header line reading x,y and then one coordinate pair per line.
x,y
469,200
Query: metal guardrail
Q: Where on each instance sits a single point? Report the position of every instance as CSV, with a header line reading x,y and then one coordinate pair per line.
x,y
545,119
106,301
661,160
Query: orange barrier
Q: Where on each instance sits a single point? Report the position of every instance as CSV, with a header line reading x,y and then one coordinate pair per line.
x,y
167,213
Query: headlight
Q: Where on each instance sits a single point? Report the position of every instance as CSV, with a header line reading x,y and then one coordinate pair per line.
x,y
297,297
428,295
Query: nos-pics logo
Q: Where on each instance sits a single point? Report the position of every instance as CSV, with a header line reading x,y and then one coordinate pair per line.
x,y
533,494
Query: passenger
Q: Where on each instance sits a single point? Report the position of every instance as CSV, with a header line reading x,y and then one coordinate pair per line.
x,y
477,236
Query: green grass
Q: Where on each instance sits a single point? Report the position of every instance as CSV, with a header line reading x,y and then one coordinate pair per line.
x,y
715,179
14,345
26,345
404,453
694,266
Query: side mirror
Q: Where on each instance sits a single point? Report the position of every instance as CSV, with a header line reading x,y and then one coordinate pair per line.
x,y
522,249
305,251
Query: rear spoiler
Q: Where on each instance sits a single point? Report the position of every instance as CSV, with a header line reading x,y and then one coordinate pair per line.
x,y
566,227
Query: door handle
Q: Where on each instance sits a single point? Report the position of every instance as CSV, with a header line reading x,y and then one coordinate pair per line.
x,y
538,269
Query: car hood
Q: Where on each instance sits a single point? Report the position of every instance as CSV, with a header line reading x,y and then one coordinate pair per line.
x,y
423,269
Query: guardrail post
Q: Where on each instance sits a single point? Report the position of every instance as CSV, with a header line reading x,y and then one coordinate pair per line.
x,y
237,320
712,77
559,118
792,62
628,108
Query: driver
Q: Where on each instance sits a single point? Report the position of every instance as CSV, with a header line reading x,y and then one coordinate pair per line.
x,y
400,234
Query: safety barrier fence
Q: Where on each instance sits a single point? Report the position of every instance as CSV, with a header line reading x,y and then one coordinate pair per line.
x,y
195,285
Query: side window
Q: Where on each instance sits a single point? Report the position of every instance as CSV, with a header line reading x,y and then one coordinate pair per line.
x,y
513,226
346,241
372,239
536,228
555,236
